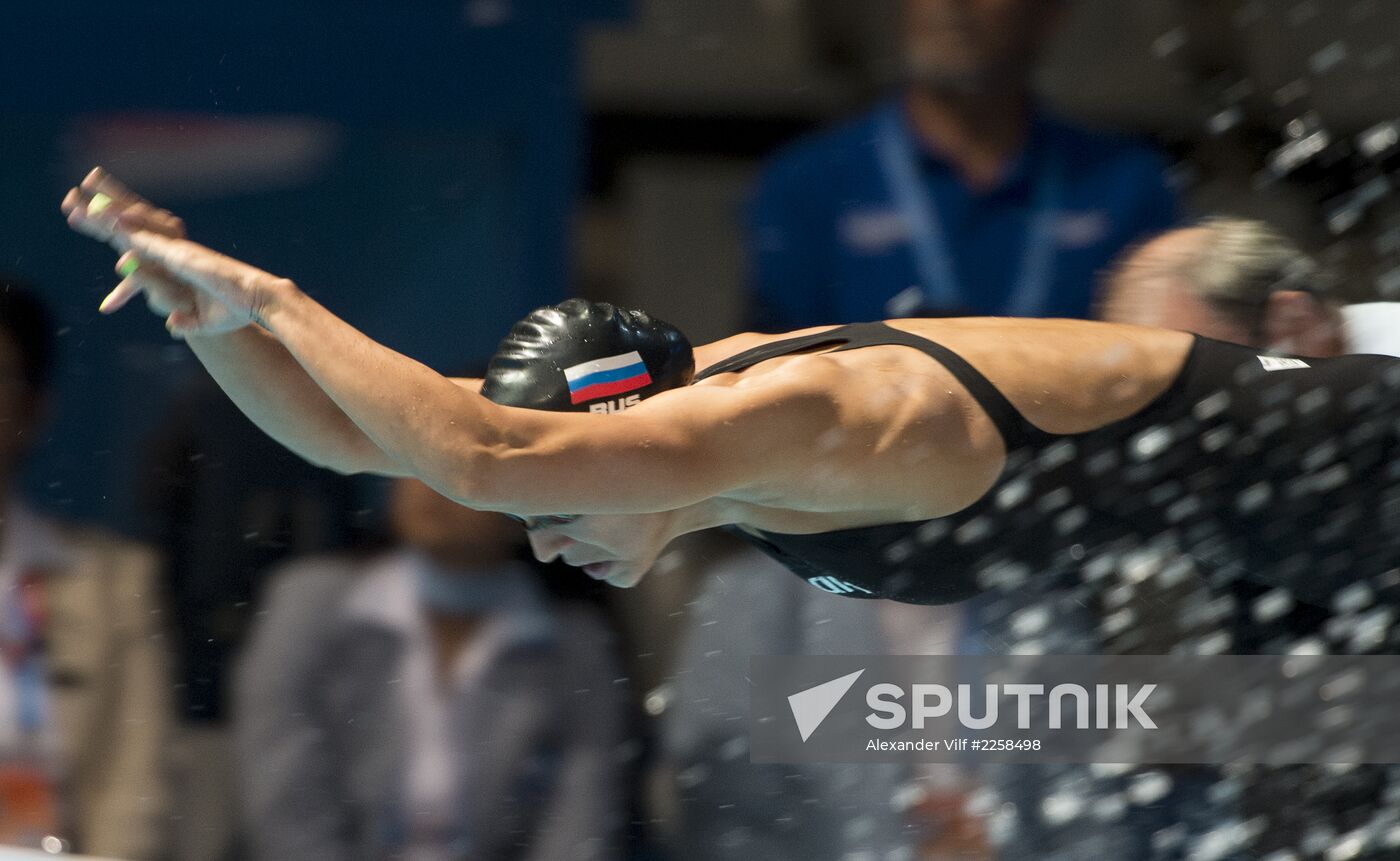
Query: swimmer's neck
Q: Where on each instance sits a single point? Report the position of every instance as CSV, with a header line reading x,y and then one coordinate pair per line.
x,y
710,514
706,514
755,518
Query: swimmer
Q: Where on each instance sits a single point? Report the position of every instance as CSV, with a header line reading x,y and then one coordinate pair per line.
x,y
915,460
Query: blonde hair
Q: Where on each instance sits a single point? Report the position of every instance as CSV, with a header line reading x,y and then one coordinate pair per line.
x,y
1235,267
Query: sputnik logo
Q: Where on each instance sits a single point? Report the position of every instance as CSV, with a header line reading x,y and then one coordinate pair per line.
x,y
810,707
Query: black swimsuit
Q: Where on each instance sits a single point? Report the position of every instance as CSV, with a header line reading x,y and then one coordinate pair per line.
x,y
1277,473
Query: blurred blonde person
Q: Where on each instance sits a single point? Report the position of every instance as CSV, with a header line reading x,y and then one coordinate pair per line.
x,y
1242,281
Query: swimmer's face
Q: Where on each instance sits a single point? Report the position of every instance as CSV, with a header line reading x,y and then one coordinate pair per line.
x,y
967,42
617,548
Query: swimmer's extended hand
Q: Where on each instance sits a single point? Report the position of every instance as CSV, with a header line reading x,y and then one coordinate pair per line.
x,y
202,293
196,290
225,293
102,207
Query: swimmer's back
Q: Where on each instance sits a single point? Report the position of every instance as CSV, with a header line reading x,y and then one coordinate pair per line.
x,y
1063,376
1274,472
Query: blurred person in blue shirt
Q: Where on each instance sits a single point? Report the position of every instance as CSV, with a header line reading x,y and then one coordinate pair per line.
x,y
959,194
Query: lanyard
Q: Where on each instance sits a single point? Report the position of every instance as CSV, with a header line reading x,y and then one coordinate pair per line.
x,y
937,278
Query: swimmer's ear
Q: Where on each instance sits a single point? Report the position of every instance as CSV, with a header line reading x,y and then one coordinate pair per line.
x,y
1299,323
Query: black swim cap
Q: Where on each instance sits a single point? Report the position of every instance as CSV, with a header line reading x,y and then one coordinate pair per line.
x,y
587,357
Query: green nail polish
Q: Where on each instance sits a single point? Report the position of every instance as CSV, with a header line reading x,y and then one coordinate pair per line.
x,y
129,267
98,203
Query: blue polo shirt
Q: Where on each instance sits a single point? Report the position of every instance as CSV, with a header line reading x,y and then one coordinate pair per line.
x,y
830,243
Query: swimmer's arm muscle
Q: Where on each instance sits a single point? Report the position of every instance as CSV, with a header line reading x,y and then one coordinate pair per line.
x,y
678,448
435,428
795,441
265,382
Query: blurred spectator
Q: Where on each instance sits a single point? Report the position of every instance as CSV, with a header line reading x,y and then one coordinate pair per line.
x,y
84,690
958,194
430,703
1241,281
721,806
226,504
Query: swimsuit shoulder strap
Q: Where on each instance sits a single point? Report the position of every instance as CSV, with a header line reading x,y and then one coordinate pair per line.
x,y
1015,430
772,350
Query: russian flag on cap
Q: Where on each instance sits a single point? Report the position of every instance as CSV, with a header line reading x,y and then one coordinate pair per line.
x,y
601,378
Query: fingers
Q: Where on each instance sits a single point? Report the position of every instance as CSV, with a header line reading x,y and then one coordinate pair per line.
x,y
182,323
127,288
163,295
128,263
93,214
140,215
179,257
85,215
103,208
131,284
239,288
99,181
194,264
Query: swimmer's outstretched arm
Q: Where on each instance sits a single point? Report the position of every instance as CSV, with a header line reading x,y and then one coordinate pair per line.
x,y
292,410
307,379
463,445
806,441
256,372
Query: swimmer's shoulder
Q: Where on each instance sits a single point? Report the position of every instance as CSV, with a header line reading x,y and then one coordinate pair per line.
x,y
1072,338
1008,349
1064,375
1051,327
